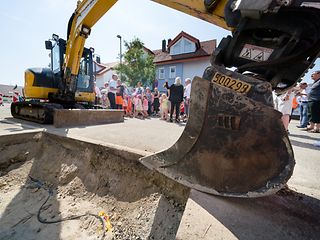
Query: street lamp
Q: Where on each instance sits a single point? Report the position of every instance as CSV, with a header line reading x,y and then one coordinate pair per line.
x,y
120,38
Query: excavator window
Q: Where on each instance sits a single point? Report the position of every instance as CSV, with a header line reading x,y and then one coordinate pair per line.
x,y
55,58
84,73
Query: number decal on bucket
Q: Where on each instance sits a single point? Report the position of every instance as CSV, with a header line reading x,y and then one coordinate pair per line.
x,y
234,84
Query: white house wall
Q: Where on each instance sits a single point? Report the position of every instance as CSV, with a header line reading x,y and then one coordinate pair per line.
x,y
102,79
194,68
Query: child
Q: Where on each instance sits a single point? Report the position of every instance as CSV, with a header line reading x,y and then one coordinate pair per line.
x,y
164,106
125,104
182,110
105,100
129,107
137,105
145,106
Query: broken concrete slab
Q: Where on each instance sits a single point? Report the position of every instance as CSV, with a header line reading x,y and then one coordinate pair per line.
x,y
285,215
80,117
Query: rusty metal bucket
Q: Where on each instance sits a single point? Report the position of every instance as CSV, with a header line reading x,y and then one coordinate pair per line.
x,y
234,144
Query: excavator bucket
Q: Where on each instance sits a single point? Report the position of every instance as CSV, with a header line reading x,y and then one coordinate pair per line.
x,y
234,143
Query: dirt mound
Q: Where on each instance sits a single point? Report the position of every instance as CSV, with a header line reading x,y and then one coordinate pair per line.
x,y
84,178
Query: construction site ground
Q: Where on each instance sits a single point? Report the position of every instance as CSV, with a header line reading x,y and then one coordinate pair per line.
x,y
53,174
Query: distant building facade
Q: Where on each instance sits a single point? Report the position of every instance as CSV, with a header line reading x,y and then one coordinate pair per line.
x,y
184,56
104,72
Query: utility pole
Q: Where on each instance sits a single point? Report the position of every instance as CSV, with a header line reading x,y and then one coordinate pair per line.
x,y
120,38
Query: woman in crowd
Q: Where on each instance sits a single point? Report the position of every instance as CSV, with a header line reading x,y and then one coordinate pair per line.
x,y
156,102
283,103
149,97
314,103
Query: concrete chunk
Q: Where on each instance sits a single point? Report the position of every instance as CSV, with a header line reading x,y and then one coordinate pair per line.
x,y
79,117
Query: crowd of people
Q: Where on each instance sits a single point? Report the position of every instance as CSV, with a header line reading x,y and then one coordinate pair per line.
x,y
304,98
142,102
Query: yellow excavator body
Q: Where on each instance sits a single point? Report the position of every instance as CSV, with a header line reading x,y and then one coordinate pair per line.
x,y
35,92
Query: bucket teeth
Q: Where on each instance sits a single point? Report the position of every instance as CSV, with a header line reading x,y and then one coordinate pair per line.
x,y
234,143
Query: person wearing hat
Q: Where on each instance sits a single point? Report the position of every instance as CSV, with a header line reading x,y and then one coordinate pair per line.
x,y
112,91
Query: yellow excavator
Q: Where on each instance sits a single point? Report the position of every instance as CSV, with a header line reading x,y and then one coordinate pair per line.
x,y
234,143
43,85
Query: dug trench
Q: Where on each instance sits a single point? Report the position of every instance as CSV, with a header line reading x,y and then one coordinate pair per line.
x,y
49,178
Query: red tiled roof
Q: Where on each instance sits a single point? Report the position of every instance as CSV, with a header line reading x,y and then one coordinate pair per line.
x,y
205,50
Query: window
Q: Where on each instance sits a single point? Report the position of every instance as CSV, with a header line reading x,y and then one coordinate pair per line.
x,y
83,82
55,54
176,49
172,72
183,46
187,46
161,73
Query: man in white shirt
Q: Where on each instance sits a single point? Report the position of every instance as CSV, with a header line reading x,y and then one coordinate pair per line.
x,y
187,92
112,91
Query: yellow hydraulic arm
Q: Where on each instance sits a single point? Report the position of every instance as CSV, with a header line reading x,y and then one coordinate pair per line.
x,y
88,12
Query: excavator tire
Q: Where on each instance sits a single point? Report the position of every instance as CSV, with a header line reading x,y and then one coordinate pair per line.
x,y
234,144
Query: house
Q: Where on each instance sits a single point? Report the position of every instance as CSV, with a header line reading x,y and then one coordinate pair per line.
x,y
104,72
184,56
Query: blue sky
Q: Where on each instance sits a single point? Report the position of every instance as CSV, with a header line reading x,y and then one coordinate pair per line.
x,y
25,25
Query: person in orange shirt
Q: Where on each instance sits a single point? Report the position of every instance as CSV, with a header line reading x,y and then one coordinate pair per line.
x,y
119,95
129,112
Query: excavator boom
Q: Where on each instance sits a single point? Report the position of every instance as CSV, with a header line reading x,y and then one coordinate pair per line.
x,y
210,11
83,19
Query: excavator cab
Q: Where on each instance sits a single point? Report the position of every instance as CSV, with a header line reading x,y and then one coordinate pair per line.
x,y
85,77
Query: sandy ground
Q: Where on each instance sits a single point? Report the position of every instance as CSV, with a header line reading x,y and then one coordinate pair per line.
x,y
84,179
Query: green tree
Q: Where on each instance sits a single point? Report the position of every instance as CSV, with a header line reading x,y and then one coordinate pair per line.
x,y
138,65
